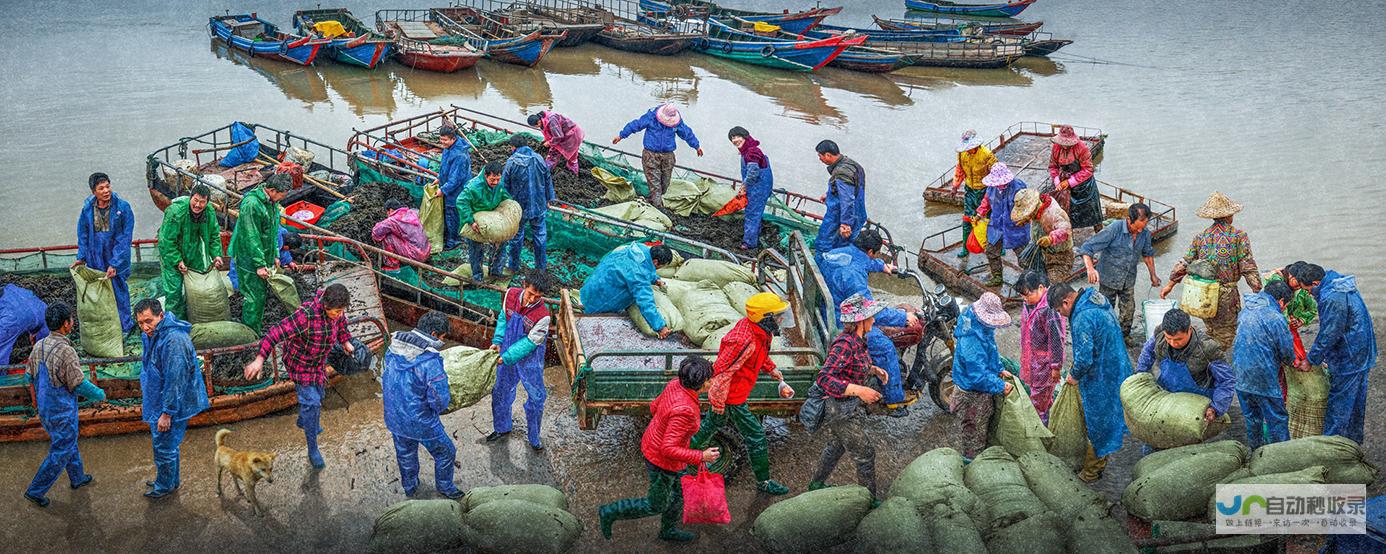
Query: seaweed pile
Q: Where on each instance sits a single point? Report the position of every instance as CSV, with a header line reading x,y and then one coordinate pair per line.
x,y
367,209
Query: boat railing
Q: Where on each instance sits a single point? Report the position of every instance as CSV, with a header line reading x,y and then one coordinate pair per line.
x,y
48,258
218,141
590,12
1162,215
1032,128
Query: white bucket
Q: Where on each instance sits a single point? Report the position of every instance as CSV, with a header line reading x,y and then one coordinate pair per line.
x,y
1154,312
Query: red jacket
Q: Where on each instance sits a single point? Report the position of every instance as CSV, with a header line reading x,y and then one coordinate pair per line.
x,y
676,419
743,355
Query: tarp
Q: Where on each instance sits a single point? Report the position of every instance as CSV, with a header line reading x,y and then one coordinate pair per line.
x,y
247,152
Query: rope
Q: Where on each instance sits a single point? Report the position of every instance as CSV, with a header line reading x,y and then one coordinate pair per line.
x,y
1070,57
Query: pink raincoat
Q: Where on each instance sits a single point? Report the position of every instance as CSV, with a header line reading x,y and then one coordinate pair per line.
x,y
401,233
564,138
1042,333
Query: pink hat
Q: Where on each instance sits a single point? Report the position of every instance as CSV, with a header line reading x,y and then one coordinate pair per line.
x,y
969,141
1000,176
989,311
858,308
668,115
1066,136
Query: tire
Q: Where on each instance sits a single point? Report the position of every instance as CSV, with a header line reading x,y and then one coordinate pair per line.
x,y
767,52
728,440
940,363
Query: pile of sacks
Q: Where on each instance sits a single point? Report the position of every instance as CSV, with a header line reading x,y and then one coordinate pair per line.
x,y
1179,483
491,520
209,307
997,503
702,298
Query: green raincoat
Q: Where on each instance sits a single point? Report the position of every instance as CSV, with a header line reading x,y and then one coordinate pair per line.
x,y
253,246
193,242
1302,306
478,196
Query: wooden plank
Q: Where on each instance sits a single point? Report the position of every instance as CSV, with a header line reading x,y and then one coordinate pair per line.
x,y
417,30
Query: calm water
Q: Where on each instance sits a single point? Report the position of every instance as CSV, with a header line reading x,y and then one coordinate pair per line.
x,y
1276,104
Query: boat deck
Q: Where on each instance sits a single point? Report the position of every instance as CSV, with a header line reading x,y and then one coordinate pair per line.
x,y
1023,147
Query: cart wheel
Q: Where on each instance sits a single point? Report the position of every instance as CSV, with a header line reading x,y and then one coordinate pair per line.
x,y
941,389
728,440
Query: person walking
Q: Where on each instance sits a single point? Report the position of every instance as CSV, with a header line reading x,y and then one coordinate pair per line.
x,y
1002,232
756,179
1263,346
742,356
1220,253
977,372
307,336
1346,343
562,137
414,393
1100,365
104,237
844,212
843,380
1117,248
527,179
660,125
1050,232
521,337
189,240
674,419
1042,332
172,389
57,376
974,164
255,246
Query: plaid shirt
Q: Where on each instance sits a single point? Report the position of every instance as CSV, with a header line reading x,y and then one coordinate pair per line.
x,y
848,363
307,336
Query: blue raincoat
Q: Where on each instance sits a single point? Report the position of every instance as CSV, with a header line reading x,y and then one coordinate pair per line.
x,y
1100,365
453,173
171,383
106,249
658,136
1347,345
760,183
415,394
846,205
622,278
1263,345
1000,228
21,313
845,270
1177,368
976,362
528,180
57,411
522,335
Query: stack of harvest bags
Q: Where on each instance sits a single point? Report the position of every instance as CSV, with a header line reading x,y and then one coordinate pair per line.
x,y
1179,483
702,298
491,520
997,503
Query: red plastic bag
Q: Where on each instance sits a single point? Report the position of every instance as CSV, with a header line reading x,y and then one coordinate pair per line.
x,y
705,498
737,204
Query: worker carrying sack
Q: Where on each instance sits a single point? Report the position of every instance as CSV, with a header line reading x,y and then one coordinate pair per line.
x,y
97,314
1166,419
206,297
283,288
495,226
471,375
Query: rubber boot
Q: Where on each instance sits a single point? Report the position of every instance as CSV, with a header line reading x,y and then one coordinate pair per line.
x,y
772,487
816,485
630,508
314,457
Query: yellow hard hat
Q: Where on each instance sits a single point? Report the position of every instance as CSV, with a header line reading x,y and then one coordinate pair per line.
x,y
763,303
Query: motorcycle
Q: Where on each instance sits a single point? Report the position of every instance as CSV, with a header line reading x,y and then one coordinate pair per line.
x,y
926,350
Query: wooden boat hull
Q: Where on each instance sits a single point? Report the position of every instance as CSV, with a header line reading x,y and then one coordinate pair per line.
x,y
441,63
1019,29
302,50
1010,9
574,35
779,56
659,45
366,49
1043,48
796,22
526,51
367,55
869,62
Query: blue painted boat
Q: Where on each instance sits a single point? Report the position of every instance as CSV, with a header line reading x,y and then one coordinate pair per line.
x,y
854,58
1008,9
798,55
653,11
257,37
966,26
878,37
359,45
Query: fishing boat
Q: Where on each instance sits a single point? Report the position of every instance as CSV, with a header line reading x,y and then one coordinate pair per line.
x,y
412,47
1042,44
1018,28
501,42
1024,147
352,42
799,55
855,58
988,53
621,26
793,22
825,30
249,33
1008,9
529,15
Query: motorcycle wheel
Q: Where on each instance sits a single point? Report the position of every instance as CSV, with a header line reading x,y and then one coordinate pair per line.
x,y
939,362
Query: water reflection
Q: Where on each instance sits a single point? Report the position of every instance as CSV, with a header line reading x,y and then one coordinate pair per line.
x,y
667,77
1044,67
428,86
367,92
295,81
797,93
874,86
579,60
526,87
935,78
